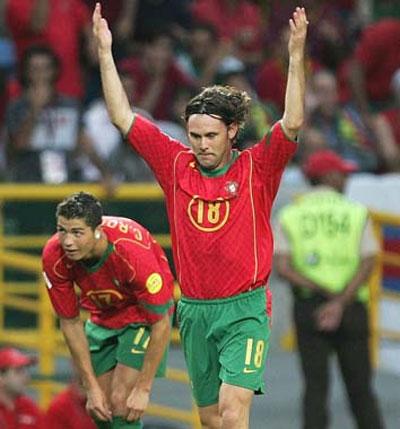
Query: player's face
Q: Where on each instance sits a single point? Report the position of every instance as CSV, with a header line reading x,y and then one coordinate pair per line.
x,y
77,238
211,140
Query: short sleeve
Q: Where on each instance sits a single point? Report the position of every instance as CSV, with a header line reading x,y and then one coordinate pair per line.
x,y
59,286
154,283
155,147
271,155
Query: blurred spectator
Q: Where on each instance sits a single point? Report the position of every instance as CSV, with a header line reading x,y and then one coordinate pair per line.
x,y
376,58
342,127
384,9
261,115
204,54
67,410
59,24
17,410
43,127
326,249
176,126
331,32
270,80
387,126
172,14
271,76
124,164
237,21
312,140
157,76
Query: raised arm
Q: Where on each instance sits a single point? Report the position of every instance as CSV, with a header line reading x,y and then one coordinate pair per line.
x,y
293,115
117,102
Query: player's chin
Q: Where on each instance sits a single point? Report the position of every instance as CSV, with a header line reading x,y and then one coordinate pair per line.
x,y
74,255
207,163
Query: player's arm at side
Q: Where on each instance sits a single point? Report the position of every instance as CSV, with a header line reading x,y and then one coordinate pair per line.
x,y
116,100
139,397
293,115
154,294
61,291
78,346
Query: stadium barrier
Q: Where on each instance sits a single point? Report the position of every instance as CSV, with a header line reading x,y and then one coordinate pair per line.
x,y
24,300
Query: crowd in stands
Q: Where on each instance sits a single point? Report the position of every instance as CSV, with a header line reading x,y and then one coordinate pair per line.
x,y
53,120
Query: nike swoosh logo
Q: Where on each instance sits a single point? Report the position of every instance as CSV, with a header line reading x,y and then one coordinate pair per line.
x,y
249,371
137,352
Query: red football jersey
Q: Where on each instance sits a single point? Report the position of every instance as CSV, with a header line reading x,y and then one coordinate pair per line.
x,y
132,283
221,234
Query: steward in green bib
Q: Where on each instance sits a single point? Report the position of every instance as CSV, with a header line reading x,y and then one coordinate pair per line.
x,y
324,229
325,248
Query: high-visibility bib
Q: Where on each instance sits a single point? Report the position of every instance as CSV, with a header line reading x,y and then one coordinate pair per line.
x,y
325,229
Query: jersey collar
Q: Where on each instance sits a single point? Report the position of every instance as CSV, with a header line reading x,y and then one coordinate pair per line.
x,y
220,171
100,262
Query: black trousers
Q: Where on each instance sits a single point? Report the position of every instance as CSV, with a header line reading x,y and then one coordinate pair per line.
x,y
350,344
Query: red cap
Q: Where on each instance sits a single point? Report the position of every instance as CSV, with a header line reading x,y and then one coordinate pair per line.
x,y
327,161
13,358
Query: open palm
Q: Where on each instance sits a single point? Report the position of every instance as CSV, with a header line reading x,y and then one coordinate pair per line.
x,y
298,31
101,31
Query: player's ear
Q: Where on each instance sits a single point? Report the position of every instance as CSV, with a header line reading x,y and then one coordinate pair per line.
x,y
233,129
97,234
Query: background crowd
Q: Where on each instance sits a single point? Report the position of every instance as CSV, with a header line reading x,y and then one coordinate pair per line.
x,y
53,120
54,126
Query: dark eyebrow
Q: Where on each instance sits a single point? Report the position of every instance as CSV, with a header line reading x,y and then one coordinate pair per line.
x,y
194,134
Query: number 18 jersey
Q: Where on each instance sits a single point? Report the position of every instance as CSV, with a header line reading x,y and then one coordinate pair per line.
x,y
221,235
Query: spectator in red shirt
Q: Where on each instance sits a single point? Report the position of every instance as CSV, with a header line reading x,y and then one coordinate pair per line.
x,y
157,76
17,410
239,21
60,24
67,410
376,58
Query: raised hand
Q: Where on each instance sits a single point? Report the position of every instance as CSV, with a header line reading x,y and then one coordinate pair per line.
x,y
298,32
101,31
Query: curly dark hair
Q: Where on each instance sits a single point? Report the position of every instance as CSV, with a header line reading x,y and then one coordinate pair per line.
x,y
81,206
226,103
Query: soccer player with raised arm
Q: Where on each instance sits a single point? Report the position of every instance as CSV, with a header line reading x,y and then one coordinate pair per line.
x,y
219,203
126,285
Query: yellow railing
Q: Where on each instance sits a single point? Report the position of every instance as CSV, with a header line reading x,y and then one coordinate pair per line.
x,y
31,296
390,258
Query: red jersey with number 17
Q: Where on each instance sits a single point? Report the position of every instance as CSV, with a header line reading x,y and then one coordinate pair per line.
x,y
221,235
132,283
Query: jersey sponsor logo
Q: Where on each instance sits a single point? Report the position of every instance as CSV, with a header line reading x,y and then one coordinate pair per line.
x,y
47,281
248,370
104,298
154,283
208,216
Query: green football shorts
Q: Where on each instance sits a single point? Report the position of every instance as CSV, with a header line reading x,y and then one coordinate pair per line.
x,y
224,341
126,346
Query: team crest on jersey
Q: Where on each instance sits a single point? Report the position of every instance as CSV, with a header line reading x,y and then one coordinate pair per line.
x,y
231,188
154,283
